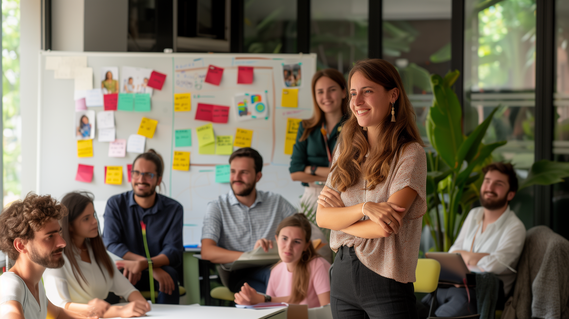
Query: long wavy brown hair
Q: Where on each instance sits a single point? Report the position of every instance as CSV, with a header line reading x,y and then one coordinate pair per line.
x,y
301,273
317,116
352,162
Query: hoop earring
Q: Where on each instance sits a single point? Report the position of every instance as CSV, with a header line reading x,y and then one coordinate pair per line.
x,y
392,112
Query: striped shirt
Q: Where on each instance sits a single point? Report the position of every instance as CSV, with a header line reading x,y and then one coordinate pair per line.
x,y
234,226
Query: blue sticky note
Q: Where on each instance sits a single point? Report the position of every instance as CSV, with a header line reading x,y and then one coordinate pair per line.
x,y
222,173
142,102
126,102
183,138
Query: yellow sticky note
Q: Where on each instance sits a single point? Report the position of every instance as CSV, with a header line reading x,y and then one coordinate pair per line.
x,y
224,145
147,127
207,149
84,148
182,102
205,135
114,175
181,161
290,137
243,138
289,98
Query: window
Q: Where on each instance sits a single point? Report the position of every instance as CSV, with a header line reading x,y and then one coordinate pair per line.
x,y
270,26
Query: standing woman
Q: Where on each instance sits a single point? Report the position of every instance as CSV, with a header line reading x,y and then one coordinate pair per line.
x,y
111,85
375,198
88,274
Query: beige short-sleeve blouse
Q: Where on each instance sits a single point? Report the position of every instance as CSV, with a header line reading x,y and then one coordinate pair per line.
x,y
395,256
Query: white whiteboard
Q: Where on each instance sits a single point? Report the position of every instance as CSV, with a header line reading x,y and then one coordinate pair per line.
x,y
57,154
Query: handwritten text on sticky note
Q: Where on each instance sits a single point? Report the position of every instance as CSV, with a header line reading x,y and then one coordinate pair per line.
x,y
126,102
224,145
117,148
156,80
205,134
243,138
290,137
183,138
114,175
181,161
222,173
214,74
84,148
147,127
182,102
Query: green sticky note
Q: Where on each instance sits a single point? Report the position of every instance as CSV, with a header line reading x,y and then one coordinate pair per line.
x,y
224,145
126,102
207,149
142,102
222,173
183,138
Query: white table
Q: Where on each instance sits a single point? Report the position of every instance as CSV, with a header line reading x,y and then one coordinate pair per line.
x,y
209,312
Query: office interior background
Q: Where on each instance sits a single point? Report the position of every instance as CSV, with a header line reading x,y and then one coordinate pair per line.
x,y
512,53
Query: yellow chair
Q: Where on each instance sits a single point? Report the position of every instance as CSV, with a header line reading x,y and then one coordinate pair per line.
x,y
146,294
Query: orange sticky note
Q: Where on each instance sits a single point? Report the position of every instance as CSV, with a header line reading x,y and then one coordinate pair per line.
x,y
147,127
114,175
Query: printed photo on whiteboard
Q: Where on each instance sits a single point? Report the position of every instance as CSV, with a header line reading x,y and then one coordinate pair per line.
x,y
110,79
84,125
251,106
292,74
135,80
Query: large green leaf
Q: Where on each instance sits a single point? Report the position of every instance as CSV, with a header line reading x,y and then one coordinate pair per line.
x,y
484,152
450,78
546,172
469,147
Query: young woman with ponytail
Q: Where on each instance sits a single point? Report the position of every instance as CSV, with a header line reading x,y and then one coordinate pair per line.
x,y
301,277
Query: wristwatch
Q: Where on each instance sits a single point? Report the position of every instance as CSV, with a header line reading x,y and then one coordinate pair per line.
x,y
313,169
268,298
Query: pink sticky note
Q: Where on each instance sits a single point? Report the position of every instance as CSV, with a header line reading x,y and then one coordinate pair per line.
x,y
204,112
128,170
156,80
111,101
80,105
117,148
105,179
245,75
214,74
220,114
84,173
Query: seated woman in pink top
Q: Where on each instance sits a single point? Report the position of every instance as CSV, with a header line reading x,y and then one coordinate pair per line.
x,y
302,275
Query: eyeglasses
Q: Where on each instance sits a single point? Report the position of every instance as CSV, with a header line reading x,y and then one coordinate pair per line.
x,y
136,174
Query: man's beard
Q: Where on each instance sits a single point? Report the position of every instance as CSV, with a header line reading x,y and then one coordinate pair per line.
x,y
493,203
247,191
144,194
47,261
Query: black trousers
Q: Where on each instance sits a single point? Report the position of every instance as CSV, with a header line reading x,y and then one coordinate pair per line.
x,y
358,292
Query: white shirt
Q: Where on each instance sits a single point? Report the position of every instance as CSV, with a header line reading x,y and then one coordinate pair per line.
x,y
62,287
12,287
503,240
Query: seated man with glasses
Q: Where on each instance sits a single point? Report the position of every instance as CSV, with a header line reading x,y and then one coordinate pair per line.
x,y
163,217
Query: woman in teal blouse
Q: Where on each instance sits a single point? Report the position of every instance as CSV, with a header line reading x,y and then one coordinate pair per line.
x,y
317,136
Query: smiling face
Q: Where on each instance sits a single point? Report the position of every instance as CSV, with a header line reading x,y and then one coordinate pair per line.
x,y
46,249
109,75
85,225
495,191
85,119
369,101
329,95
144,186
291,243
242,176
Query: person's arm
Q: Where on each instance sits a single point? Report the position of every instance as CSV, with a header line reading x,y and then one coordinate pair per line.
x,y
324,298
470,258
173,245
299,166
137,307
113,234
211,232
60,313
95,307
217,255
249,296
510,247
12,310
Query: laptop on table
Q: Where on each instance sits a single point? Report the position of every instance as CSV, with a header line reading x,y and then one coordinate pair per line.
x,y
453,268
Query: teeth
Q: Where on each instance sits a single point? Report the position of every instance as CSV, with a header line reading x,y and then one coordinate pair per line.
x,y
362,112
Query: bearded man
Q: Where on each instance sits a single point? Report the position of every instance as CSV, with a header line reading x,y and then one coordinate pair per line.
x,y
490,240
163,218
242,220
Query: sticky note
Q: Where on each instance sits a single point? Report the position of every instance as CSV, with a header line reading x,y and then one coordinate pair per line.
x,y
204,112
182,102
107,134
290,137
243,138
114,175
183,138
142,102
84,173
222,173
289,98
156,80
207,149
126,102
83,78
128,171
136,143
224,145
117,148
147,127
84,148
106,119
220,114
80,104
205,134
111,101
181,161
94,97
245,75
214,74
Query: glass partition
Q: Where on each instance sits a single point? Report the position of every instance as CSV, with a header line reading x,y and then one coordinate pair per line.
x,y
270,26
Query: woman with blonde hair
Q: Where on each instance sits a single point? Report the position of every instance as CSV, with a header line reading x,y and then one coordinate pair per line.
x,y
375,197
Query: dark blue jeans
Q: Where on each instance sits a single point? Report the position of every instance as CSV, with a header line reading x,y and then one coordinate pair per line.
x,y
358,292
144,285
257,277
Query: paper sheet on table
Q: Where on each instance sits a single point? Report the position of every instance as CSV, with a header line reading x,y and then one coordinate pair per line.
x,y
94,97
136,144
182,102
222,173
243,138
245,75
255,258
205,135
181,161
224,144
83,79
84,173
147,127
114,175
290,137
289,98
106,119
183,138
126,102
107,134
117,148
84,148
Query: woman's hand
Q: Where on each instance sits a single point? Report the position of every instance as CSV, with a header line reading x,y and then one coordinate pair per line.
x,y
132,269
134,309
330,198
387,215
248,296
98,307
